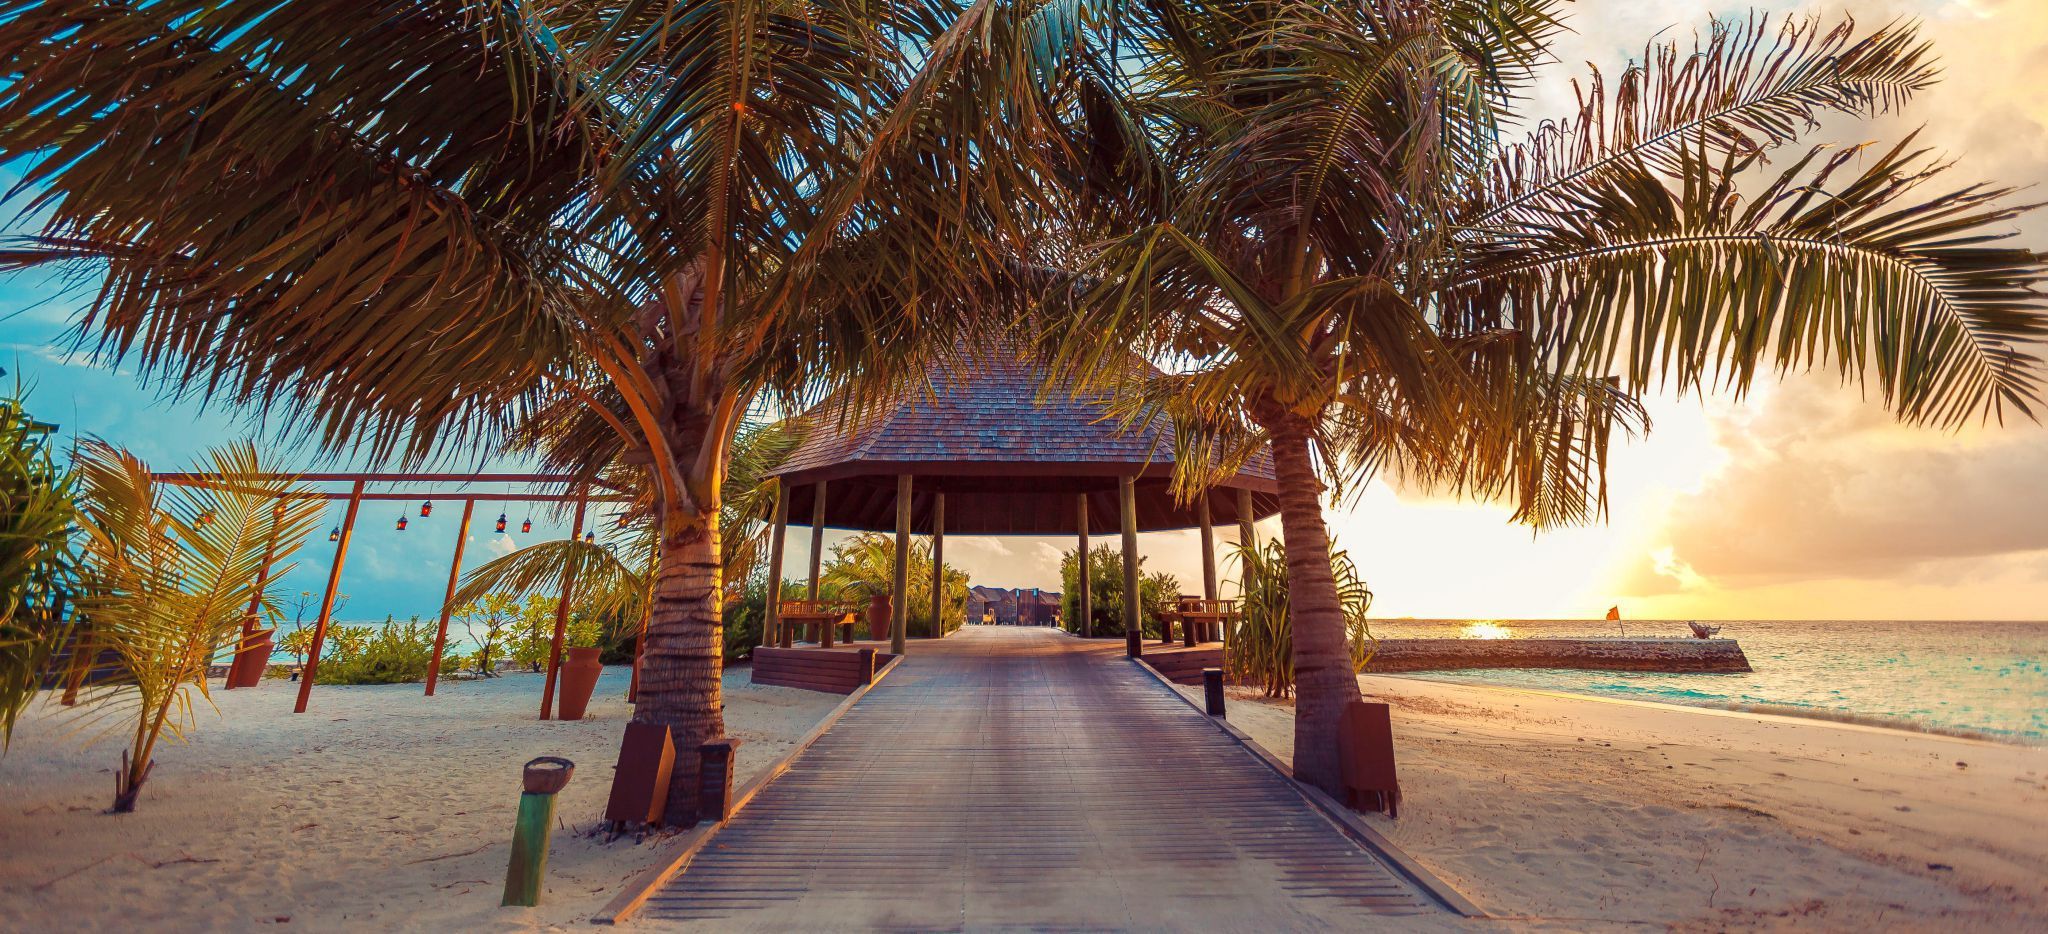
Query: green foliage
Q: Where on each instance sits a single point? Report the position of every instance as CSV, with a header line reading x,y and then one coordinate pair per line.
x,y
392,653
37,563
1158,592
488,622
533,632
865,565
1262,642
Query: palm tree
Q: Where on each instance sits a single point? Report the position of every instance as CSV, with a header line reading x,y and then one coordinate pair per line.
x,y
411,226
170,575
1315,217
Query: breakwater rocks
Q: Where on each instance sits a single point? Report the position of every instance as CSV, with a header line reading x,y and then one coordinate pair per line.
x,y
1701,655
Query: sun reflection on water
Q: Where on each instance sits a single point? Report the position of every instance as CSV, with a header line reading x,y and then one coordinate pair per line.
x,y
1485,630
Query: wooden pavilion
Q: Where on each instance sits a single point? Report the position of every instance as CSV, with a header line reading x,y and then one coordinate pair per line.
x,y
984,452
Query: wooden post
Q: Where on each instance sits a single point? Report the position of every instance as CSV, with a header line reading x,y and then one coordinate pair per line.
x,y
899,615
771,618
817,535
1086,604
1134,621
938,565
1247,536
448,602
542,778
1208,549
348,531
547,690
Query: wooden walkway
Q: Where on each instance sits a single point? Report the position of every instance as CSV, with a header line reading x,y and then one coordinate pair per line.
x,y
1014,777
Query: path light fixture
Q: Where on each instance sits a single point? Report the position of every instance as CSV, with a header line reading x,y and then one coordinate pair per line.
x,y
501,522
334,534
401,523
426,508
525,527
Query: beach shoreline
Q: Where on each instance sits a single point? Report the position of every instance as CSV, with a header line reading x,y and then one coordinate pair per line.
x,y
1562,809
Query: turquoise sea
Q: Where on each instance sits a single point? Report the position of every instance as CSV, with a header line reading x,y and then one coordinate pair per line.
x,y
1979,678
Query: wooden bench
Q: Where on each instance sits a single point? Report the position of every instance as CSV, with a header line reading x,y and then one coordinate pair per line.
x,y
1203,620
819,617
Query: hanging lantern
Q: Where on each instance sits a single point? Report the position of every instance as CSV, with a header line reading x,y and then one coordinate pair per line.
x,y
525,527
501,522
205,518
426,509
589,537
401,523
622,520
279,511
334,535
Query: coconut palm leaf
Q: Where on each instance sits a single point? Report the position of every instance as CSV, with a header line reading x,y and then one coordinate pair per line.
x,y
37,562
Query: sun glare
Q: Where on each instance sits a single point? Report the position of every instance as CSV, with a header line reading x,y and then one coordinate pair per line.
x,y
1485,631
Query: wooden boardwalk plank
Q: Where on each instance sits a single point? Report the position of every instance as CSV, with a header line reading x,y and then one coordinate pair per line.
x,y
1011,777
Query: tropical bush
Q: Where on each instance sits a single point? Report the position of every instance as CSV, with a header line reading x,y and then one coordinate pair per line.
x,y
865,565
391,653
168,578
37,562
1262,641
1159,594
488,622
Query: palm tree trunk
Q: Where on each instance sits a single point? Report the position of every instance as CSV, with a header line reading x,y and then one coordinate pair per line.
x,y
1323,678
684,656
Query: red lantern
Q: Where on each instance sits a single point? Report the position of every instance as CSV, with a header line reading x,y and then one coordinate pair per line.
x,y
426,509
401,523
335,534
501,522
589,537
525,527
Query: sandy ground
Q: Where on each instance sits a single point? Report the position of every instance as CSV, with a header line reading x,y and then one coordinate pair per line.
x,y
1574,813
377,809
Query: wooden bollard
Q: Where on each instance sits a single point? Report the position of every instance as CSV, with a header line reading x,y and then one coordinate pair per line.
x,y
543,777
714,779
1212,691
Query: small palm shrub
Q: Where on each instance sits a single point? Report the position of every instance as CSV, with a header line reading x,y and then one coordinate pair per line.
x,y
1159,593
168,578
1262,642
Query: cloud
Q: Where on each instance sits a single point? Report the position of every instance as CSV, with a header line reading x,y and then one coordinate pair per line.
x,y
1821,484
502,545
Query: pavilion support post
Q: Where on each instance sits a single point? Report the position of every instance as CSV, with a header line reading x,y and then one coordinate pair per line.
x,y
1086,605
817,536
448,602
1134,627
547,690
899,612
1208,569
938,565
348,529
771,620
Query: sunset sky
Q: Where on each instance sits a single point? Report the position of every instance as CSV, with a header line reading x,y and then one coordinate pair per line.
x,y
1800,501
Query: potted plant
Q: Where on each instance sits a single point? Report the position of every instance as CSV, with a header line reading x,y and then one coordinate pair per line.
x,y
580,670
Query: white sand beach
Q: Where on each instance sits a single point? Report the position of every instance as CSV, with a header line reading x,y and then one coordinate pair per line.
x,y
1571,812
377,809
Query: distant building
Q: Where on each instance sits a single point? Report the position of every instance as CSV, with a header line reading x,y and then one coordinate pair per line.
x,y
1018,606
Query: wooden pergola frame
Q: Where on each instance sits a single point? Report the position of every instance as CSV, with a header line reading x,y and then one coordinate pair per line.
x,y
358,493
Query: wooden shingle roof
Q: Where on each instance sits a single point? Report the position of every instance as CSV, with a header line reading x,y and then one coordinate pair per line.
x,y
1009,463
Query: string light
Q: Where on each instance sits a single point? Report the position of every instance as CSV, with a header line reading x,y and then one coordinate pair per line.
x,y
426,508
401,523
501,522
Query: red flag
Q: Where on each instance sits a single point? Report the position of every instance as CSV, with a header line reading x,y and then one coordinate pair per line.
x,y
1614,612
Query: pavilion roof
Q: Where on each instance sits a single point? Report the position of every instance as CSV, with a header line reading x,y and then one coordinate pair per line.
x,y
1016,456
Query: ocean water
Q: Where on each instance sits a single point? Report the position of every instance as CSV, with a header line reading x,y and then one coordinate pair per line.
x,y
1978,678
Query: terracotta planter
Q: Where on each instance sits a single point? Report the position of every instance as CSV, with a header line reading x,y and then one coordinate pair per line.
x,y
579,678
880,613
252,659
